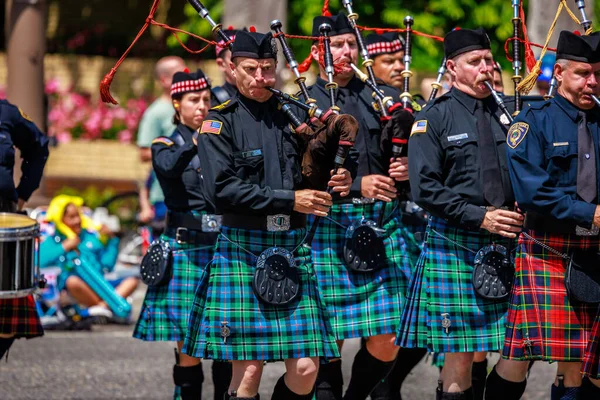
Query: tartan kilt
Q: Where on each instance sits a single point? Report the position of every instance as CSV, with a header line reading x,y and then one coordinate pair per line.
x,y
362,304
19,317
540,310
165,311
257,331
442,284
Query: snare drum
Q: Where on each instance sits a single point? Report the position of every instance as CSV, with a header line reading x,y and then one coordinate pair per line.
x,y
19,264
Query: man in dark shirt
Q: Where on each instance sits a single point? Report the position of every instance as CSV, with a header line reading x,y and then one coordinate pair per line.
x,y
18,317
458,174
260,301
553,163
361,303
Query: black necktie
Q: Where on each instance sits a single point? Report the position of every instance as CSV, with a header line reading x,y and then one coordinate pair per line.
x,y
586,162
488,159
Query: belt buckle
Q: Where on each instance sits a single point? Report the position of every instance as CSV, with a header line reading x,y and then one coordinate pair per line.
x,y
278,223
581,231
211,223
362,200
181,235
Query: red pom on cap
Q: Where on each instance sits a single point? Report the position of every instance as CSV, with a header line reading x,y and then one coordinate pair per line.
x,y
186,70
577,33
379,31
230,28
252,28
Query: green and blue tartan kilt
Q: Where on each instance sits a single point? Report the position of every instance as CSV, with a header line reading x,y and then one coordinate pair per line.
x,y
165,311
362,304
255,330
442,285
542,323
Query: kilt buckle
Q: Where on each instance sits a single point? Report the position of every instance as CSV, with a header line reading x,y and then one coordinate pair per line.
x,y
493,272
181,235
581,231
278,223
211,223
276,280
446,323
364,250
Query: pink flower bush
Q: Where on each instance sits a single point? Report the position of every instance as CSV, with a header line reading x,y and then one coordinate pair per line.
x,y
74,115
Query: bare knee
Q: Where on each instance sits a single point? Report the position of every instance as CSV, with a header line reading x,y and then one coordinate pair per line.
x,y
461,363
571,373
301,374
246,377
511,370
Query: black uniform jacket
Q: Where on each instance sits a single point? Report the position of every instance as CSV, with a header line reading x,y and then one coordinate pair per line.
x,y
179,174
356,99
17,130
252,157
444,167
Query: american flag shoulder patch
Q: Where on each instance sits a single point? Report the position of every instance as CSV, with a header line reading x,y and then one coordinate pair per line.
x,y
211,126
163,140
419,127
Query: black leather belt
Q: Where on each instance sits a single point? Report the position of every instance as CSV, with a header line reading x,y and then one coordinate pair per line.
x,y
271,223
195,230
202,223
539,223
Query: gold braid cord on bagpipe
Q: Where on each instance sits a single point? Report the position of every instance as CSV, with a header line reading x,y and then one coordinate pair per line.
x,y
527,84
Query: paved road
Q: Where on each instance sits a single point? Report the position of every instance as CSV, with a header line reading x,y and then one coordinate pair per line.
x,y
108,364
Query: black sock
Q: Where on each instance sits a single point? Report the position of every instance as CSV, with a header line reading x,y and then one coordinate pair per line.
x,y
330,383
561,392
189,379
367,372
478,375
389,388
497,388
282,392
589,390
221,377
466,395
5,345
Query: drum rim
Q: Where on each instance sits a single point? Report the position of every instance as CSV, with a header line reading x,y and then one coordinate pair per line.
x,y
26,232
15,294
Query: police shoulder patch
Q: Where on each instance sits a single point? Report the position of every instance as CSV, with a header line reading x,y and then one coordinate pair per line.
x,y
163,140
24,115
211,126
419,127
516,134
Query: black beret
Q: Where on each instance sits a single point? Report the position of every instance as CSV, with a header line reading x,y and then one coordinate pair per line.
x,y
339,24
572,46
186,82
254,45
384,43
460,41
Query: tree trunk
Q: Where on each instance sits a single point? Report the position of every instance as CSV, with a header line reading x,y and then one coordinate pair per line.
x,y
25,48
541,14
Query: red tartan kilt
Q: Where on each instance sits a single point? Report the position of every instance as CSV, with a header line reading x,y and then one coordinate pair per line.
x,y
542,323
19,317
